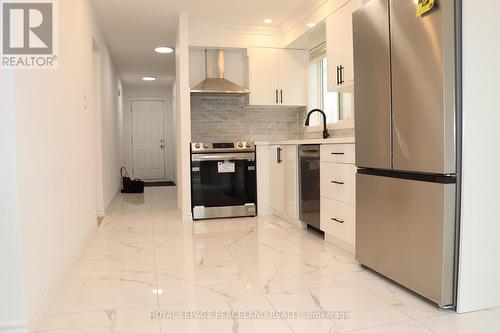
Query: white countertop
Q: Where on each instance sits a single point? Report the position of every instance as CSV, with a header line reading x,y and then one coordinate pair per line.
x,y
308,141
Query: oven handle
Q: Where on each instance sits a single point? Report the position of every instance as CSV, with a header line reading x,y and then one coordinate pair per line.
x,y
223,157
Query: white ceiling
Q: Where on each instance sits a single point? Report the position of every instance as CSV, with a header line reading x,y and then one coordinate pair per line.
x,y
134,28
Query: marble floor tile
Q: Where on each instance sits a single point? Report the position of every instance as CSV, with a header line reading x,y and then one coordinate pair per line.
x,y
188,253
145,261
487,321
404,327
130,289
400,298
114,257
227,316
134,320
363,308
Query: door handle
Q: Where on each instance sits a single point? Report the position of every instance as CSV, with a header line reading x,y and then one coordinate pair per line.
x,y
338,153
277,100
337,182
281,91
338,220
338,75
278,155
341,74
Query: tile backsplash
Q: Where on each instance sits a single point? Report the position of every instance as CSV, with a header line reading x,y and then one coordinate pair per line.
x,y
219,118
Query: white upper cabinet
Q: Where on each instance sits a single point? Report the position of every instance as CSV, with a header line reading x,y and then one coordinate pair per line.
x,y
263,76
277,76
339,43
292,77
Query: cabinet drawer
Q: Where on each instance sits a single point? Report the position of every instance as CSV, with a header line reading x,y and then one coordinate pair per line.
x,y
338,219
338,153
338,182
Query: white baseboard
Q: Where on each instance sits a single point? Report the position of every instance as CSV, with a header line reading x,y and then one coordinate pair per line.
x,y
14,327
105,212
101,213
40,310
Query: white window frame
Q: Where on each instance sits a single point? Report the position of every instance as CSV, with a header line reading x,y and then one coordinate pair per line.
x,y
341,124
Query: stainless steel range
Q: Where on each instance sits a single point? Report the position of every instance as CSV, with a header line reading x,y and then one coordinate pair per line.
x,y
223,180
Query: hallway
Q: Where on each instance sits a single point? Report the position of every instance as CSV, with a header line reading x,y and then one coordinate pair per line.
x,y
144,259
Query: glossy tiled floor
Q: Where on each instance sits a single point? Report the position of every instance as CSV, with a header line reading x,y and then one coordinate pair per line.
x,y
144,259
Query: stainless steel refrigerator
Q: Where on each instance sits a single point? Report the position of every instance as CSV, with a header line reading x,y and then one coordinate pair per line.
x,y
407,130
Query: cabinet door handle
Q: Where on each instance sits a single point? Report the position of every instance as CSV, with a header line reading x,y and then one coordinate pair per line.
x,y
338,153
337,182
338,75
338,220
277,101
281,92
278,155
341,74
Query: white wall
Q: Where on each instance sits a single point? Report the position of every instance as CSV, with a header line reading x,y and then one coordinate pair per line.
x,y
153,92
56,158
108,103
183,117
479,286
13,313
111,126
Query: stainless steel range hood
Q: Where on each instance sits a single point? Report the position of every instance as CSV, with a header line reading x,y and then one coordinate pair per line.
x,y
215,83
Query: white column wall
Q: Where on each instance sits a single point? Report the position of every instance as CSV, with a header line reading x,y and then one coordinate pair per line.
x,y
13,313
183,118
479,269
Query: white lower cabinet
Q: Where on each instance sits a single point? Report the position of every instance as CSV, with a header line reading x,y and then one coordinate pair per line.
x,y
339,182
338,195
338,219
283,181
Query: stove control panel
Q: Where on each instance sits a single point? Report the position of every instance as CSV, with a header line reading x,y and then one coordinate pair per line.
x,y
223,147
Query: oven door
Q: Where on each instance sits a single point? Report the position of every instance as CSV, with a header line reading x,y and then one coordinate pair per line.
x,y
223,182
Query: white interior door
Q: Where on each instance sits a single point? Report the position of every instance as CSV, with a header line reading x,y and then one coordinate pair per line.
x,y
148,140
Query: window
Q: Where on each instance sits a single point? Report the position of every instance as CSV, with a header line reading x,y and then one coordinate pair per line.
x,y
337,106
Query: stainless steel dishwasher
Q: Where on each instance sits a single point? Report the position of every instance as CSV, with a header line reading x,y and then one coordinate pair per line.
x,y
309,157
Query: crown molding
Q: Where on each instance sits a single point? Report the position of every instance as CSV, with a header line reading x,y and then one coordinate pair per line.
x,y
301,13
237,29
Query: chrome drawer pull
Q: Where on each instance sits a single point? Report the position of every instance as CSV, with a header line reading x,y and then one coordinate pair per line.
x,y
337,220
337,182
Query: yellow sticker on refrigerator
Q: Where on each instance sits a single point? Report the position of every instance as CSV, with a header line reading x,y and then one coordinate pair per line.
x,y
423,6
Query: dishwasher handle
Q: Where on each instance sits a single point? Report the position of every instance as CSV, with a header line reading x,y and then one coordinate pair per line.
x,y
309,153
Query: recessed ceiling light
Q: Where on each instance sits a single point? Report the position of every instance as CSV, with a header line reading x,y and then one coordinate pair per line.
x,y
149,78
268,21
164,49
311,25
